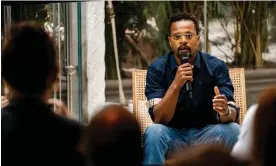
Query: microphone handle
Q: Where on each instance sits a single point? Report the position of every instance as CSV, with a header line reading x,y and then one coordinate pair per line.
x,y
189,88
188,83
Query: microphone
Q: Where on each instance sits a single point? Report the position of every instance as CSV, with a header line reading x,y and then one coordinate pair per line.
x,y
184,57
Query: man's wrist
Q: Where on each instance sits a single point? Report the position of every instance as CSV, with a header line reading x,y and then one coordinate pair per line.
x,y
228,112
175,86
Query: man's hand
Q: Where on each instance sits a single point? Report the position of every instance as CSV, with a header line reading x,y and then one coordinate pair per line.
x,y
4,101
220,103
183,74
60,107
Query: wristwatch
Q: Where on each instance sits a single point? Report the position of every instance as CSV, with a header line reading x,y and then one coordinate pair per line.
x,y
228,112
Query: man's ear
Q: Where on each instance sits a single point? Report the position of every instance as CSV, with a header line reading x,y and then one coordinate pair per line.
x,y
169,39
198,39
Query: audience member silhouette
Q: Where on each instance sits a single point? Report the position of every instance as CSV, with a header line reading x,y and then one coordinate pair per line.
x,y
113,137
204,155
264,133
32,134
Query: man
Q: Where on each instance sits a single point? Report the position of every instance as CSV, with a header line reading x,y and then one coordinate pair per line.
x,y
207,117
60,107
31,133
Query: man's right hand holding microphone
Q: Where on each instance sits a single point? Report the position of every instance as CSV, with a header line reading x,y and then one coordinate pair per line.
x,y
183,74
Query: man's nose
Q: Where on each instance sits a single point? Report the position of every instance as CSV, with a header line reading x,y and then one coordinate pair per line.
x,y
183,40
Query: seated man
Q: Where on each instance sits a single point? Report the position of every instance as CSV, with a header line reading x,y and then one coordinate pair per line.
x,y
181,119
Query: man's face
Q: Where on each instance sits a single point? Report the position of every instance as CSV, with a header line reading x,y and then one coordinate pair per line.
x,y
183,37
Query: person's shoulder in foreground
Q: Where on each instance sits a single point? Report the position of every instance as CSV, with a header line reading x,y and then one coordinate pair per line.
x,y
243,148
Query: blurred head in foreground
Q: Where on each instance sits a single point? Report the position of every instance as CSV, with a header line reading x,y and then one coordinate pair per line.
x,y
113,137
29,63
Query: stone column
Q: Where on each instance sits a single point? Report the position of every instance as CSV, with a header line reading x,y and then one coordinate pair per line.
x,y
95,51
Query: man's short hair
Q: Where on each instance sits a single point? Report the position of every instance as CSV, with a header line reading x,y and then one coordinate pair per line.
x,y
29,62
184,16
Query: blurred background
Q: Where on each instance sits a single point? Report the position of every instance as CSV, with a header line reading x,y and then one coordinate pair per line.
x,y
241,33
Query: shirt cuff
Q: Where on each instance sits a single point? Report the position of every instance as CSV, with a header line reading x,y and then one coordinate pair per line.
x,y
152,102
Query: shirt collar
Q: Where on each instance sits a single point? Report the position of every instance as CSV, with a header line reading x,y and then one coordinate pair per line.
x,y
197,61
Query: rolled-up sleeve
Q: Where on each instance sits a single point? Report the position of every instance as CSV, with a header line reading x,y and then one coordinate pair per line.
x,y
155,89
225,86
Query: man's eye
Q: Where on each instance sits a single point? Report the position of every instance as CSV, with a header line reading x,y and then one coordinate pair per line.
x,y
188,36
176,37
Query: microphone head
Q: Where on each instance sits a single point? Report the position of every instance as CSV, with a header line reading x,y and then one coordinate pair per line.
x,y
184,53
184,56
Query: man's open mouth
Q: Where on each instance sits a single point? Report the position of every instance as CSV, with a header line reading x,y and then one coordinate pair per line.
x,y
184,50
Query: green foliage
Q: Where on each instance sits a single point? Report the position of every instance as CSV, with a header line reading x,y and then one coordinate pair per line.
x,y
251,29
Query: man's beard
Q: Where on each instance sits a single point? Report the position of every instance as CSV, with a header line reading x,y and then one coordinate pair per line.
x,y
184,50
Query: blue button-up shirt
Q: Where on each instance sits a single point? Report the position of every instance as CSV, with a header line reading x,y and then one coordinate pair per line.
x,y
208,72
